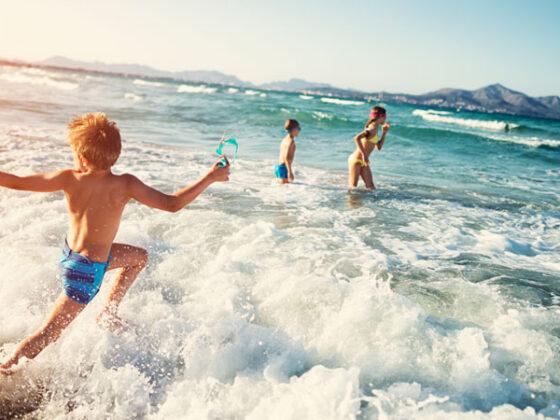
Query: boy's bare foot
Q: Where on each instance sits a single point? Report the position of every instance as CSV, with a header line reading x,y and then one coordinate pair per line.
x,y
110,321
6,367
6,371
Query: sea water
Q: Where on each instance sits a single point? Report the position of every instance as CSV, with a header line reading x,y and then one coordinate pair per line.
x,y
435,296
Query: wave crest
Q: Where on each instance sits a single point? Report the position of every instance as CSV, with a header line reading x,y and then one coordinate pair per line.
x,y
41,79
196,89
341,101
146,83
442,117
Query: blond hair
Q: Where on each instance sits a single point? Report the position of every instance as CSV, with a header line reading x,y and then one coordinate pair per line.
x,y
96,138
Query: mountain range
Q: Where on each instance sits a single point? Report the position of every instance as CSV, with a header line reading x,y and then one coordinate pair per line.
x,y
145,71
492,99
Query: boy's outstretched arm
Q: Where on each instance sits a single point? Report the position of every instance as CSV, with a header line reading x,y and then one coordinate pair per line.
x,y
175,202
53,181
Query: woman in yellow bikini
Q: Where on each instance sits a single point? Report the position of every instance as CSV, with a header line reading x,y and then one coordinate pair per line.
x,y
367,140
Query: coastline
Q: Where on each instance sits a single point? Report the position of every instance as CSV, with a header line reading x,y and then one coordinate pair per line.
x,y
501,100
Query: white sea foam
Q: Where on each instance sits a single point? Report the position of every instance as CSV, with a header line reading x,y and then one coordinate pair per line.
x,y
132,97
41,78
196,89
251,92
438,112
143,82
306,97
94,79
527,141
285,309
322,115
233,90
438,116
341,101
294,301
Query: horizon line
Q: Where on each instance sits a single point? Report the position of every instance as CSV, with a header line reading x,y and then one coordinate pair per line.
x,y
260,86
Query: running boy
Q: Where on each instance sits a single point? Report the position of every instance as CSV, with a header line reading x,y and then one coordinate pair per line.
x,y
96,199
283,168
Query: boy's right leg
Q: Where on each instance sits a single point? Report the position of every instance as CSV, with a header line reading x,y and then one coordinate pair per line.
x,y
64,312
131,260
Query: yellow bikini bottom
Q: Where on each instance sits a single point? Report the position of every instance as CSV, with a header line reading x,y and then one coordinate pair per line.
x,y
353,161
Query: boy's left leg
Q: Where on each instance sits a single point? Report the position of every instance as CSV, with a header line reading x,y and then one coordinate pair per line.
x,y
64,312
131,260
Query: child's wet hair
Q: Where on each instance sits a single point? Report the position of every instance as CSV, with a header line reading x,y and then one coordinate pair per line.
x,y
96,138
376,113
290,125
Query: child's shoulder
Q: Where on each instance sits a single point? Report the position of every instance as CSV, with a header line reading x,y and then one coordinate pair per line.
x,y
66,174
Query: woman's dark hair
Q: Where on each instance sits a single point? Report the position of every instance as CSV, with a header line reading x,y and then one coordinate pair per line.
x,y
290,125
376,113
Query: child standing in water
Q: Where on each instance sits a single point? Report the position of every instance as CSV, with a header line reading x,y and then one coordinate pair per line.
x,y
283,168
96,199
366,141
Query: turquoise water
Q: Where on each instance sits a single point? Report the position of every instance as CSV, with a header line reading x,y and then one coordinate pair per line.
x,y
435,295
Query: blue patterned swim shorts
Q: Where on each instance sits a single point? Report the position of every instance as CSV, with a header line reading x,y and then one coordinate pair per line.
x,y
81,277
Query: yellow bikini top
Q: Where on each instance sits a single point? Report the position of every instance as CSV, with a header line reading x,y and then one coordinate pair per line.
x,y
374,139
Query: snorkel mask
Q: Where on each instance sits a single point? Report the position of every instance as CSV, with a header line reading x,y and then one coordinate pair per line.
x,y
223,160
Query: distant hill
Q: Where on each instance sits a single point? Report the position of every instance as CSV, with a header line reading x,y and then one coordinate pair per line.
x,y
294,85
145,71
493,98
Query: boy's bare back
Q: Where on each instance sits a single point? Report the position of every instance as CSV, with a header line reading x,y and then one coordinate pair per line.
x,y
95,205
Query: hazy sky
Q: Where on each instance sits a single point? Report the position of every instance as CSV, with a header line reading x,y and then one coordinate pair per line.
x,y
395,45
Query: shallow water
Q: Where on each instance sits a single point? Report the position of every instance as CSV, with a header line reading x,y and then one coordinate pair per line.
x,y
436,296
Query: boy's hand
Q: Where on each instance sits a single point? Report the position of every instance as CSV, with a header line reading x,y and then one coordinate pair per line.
x,y
219,173
385,127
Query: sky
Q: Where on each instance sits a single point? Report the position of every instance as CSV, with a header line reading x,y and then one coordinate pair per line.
x,y
404,46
